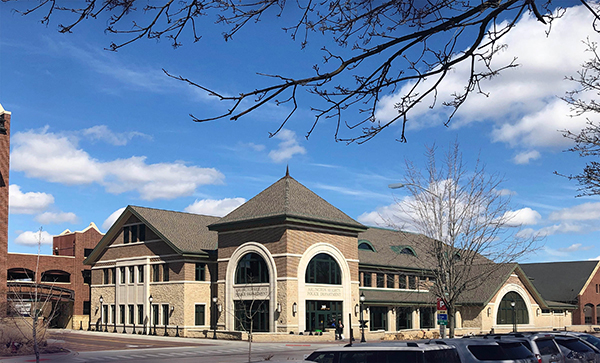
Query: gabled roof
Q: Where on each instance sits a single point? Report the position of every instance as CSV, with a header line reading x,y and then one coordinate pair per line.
x,y
560,281
186,233
287,201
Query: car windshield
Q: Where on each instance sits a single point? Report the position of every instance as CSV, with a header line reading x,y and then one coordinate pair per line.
x,y
574,344
487,352
546,346
591,339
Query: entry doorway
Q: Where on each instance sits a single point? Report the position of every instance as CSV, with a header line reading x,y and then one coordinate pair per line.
x,y
322,315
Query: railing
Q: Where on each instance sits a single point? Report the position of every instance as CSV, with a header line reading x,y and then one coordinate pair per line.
x,y
44,291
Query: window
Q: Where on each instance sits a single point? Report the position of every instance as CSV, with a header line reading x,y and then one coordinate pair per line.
x,y
155,273
141,274
251,311
378,318
165,314
87,276
135,233
155,314
140,308
426,315
403,250
588,311
122,273
113,315
113,275
412,282
104,314
56,276
165,272
506,312
367,279
380,280
131,315
106,277
87,252
390,281
121,314
252,269
323,269
200,272
365,245
199,315
131,275
402,281
86,308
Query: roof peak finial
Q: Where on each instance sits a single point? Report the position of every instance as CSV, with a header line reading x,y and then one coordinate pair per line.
x,y
287,170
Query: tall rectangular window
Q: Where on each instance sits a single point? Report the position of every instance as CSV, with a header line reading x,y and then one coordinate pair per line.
x,y
165,272
390,281
121,314
125,234
134,233
87,276
165,314
140,308
367,279
113,275
380,280
412,282
86,308
87,252
105,280
104,314
131,314
122,273
402,282
141,274
199,315
131,275
200,272
155,314
155,273
113,315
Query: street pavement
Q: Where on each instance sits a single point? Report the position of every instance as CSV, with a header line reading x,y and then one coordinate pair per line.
x,y
100,347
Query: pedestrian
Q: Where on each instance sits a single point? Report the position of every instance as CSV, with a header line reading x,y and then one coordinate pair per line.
x,y
340,330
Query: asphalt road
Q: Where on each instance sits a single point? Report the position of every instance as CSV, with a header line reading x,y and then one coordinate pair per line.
x,y
113,347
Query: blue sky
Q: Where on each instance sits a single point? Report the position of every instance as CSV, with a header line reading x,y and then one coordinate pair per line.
x,y
94,131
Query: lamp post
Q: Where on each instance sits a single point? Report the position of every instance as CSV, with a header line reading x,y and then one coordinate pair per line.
x,y
101,312
514,312
362,321
149,332
214,300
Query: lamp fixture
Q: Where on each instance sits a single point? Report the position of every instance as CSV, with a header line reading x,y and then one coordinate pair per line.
x,y
215,299
362,297
512,303
219,307
150,299
489,311
172,308
279,307
356,309
101,299
294,308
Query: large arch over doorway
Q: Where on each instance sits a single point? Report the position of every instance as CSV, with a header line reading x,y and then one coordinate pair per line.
x,y
529,305
234,292
343,294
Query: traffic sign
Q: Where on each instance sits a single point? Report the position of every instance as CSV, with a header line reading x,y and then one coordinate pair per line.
x,y
442,319
441,304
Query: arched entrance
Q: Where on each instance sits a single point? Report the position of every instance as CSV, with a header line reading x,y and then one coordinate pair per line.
x,y
512,307
324,288
250,290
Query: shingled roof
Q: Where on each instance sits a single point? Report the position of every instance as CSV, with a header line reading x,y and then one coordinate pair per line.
x,y
560,281
287,200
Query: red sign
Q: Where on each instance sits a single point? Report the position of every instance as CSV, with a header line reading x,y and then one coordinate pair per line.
x,y
441,304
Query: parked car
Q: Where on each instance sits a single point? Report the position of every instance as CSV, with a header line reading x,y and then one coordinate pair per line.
x,y
587,338
575,350
410,352
542,345
482,350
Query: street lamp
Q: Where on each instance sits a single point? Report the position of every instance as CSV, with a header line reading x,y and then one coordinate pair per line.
x,y
214,309
149,322
101,312
514,311
362,321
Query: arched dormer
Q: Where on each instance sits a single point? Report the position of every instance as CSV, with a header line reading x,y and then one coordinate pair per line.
x,y
365,245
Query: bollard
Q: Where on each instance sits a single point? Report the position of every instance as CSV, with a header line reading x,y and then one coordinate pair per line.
x,y
81,325
154,332
166,333
106,326
124,330
177,331
89,324
133,332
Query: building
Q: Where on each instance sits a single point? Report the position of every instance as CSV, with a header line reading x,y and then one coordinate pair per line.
x,y
571,283
287,261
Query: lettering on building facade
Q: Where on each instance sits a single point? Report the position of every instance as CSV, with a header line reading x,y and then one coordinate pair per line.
x,y
323,292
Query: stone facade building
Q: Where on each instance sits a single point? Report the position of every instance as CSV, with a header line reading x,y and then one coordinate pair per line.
x,y
287,261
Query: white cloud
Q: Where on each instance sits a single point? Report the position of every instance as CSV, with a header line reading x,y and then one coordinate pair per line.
x,y
103,133
506,192
526,156
55,158
582,212
287,148
523,104
56,218
575,247
32,238
214,207
253,146
112,218
27,203
522,217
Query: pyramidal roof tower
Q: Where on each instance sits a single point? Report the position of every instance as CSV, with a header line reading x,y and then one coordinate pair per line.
x,y
287,201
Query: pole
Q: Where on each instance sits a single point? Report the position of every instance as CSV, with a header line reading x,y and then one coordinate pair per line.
x,y
214,320
514,319
350,326
362,324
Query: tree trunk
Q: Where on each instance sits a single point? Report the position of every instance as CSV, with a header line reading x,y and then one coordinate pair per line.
x,y
451,312
36,348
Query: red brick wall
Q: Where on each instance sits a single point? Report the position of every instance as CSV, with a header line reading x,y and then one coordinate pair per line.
x,y
4,167
591,295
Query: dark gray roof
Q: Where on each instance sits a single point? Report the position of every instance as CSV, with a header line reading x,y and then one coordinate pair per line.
x,y
559,281
187,232
288,199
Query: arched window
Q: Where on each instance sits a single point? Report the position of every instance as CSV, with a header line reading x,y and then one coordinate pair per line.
x,y
323,269
20,274
363,244
588,313
506,312
404,250
56,276
252,269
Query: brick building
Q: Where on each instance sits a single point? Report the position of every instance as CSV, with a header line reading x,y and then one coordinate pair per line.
x,y
287,261
4,167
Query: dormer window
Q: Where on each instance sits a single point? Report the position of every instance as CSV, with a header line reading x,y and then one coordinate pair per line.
x,y
363,244
404,250
134,233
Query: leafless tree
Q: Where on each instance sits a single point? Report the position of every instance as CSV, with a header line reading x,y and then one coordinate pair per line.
x,y
378,48
587,141
30,307
472,228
